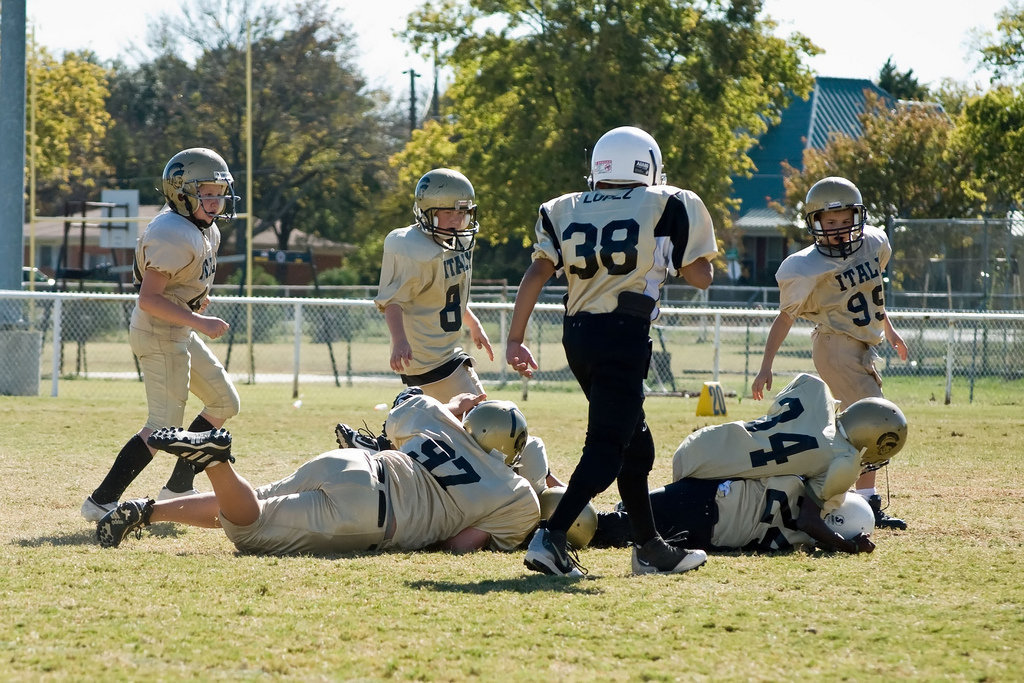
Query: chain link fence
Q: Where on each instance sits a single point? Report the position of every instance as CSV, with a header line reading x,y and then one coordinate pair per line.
x,y
64,337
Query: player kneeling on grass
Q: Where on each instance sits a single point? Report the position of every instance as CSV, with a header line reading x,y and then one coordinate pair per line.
x,y
448,483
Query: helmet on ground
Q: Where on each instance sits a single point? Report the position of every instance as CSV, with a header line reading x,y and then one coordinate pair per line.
x,y
626,155
876,425
186,172
854,516
835,194
585,526
445,188
498,426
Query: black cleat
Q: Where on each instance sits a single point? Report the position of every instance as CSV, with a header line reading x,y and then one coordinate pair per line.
x,y
361,438
882,520
658,556
549,552
127,517
199,449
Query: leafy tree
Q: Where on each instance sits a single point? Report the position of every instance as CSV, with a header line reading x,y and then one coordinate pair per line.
x,y
990,140
899,84
321,140
1003,51
530,97
71,124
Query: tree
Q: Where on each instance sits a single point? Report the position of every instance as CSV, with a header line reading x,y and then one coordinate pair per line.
x,y
901,85
1003,51
71,124
321,140
531,97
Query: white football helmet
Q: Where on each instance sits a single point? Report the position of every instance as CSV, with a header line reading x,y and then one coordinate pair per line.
x,y
498,426
186,171
833,194
445,188
585,526
626,155
876,425
854,516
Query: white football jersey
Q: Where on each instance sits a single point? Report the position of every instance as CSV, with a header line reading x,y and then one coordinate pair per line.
x,y
844,295
760,514
184,253
798,436
431,284
442,481
611,241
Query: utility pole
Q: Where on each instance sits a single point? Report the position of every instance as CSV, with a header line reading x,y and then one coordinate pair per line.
x,y
435,105
412,99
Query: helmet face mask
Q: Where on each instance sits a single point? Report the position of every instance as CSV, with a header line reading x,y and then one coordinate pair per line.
x,y
835,235
499,428
875,425
624,156
439,192
186,185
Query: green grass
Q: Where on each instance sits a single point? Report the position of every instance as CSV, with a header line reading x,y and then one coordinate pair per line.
x,y
942,600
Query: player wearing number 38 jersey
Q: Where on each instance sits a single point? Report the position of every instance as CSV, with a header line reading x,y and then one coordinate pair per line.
x,y
615,244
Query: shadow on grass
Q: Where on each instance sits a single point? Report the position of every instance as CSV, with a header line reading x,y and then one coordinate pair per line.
x,y
524,584
87,536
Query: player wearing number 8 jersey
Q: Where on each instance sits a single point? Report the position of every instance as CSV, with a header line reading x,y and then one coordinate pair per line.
x,y
836,283
424,288
442,486
615,244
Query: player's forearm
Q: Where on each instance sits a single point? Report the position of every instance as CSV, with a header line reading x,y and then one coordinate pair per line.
x,y
396,323
163,308
776,335
539,272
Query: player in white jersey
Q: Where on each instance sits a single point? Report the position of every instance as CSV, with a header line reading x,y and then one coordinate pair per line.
x,y
764,515
801,435
615,244
424,288
836,283
450,485
175,263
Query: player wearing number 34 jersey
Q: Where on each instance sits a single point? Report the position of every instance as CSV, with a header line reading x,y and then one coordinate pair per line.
x,y
800,435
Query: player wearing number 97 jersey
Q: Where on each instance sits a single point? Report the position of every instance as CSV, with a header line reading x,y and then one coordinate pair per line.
x,y
798,436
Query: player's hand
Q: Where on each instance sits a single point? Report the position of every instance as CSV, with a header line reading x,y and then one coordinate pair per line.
x,y
901,346
212,327
761,382
460,404
401,356
863,544
520,358
203,305
479,338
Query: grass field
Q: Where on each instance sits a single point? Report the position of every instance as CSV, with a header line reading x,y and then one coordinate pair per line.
x,y
943,600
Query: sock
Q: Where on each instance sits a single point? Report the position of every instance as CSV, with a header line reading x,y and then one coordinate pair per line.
x,y
132,459
866,493
636,500
183,476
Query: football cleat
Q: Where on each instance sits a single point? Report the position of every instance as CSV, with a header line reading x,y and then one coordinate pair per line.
x,y
93,511
127,517
362,438
657,556
167,494
549,552
882,520
199,449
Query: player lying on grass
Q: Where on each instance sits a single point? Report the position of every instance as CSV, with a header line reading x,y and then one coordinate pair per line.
x,y
801,435
769,514
448,484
